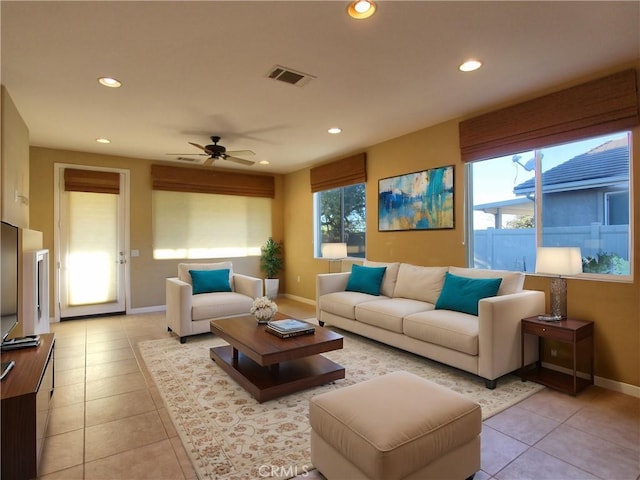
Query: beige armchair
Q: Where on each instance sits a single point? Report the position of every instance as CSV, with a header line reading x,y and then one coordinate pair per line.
x,y
189,313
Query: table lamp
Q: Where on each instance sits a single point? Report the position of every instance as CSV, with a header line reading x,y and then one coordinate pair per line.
x,y
334,252
558,261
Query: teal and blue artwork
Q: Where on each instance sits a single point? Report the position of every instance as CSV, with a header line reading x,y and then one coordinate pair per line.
x,y
416,201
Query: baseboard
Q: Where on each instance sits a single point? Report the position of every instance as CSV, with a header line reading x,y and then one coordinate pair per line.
x,y
607,383
154,309
300,299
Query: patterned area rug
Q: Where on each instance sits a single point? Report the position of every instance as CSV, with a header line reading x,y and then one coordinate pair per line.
x,y
230,436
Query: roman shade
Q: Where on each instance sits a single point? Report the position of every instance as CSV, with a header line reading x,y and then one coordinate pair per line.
x,y
598,107
347,171
92,181
177,179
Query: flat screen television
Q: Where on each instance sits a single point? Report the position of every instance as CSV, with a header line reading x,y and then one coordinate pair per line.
x,y
9,278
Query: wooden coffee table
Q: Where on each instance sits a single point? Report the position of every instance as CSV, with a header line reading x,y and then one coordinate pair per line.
x,y
267,366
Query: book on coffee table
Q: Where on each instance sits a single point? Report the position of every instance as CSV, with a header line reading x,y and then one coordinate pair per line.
x,y
289,328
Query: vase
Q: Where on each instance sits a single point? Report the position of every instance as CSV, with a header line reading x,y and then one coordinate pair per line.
x,y
271,286
263,316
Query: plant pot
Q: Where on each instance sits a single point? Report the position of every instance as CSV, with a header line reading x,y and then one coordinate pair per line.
x,y
271,286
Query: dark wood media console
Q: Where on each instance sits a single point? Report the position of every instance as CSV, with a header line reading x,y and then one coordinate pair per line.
x,y
26,391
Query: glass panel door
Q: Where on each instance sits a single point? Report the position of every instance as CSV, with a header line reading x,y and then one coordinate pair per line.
x,y
92,259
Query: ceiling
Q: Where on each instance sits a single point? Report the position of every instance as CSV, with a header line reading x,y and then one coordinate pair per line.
x,y
195,69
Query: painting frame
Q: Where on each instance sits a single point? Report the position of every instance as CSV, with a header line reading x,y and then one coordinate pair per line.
x,y
422,200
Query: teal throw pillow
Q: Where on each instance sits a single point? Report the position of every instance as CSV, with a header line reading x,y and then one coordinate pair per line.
x,y
207,281
365,279
462,294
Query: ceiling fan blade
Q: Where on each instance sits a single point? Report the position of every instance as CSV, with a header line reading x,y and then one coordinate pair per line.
x,y
208,162
198,146
192,160
240,152
241,161
192,154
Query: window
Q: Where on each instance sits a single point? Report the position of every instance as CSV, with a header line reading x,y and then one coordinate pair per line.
x,y
203,225
340,217
571,195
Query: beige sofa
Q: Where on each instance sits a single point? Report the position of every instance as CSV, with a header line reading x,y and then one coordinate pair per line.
x,y
404,316
189,314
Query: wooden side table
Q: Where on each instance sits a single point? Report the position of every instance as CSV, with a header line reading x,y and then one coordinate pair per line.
x,y
567,331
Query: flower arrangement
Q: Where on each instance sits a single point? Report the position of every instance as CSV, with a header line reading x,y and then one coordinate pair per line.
x,y
263,309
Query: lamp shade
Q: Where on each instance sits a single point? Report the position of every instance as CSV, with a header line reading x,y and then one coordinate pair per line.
x,y
559,260
334,250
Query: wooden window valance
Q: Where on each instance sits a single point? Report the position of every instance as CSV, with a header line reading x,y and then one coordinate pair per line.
x,y
92,181
598,107
348,171
177,179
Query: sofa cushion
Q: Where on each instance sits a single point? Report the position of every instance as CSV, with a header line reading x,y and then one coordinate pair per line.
x,y
365,279
419,283
462,294
512,282
454,330
185,276
390,276
388,313
207,281
344,304
219,304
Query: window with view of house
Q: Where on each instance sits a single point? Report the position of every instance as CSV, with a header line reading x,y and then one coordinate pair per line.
x,y
571,195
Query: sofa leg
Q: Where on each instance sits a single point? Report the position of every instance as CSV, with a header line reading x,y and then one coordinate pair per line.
x,y
183,339
470,477
491,384
321,323
169,329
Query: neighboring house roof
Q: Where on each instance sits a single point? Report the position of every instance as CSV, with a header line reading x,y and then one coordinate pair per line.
x,y
603,165
513,206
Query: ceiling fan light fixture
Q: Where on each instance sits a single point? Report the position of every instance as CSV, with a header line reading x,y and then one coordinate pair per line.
x,y
361,9
470,65
109,82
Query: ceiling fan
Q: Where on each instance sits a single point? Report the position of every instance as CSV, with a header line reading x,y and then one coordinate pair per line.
x,y
215,152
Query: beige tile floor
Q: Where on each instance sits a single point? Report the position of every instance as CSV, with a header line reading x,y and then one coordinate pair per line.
x,y
108,422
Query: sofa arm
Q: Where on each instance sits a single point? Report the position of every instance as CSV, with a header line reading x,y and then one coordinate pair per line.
x,y
178,298
499,332
246,285
329,283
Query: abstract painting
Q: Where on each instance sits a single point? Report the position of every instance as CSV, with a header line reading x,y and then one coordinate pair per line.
x,y
416,201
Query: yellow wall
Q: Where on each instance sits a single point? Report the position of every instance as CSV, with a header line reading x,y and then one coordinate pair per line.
x,y
14,164
147,275
614,307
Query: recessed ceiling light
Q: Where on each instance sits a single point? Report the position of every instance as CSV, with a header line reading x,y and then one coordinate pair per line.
x,y
103,140
264,162
334,130
109,82
470,65
360,9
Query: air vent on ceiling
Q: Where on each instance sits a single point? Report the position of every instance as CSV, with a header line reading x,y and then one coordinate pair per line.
x,y
286,75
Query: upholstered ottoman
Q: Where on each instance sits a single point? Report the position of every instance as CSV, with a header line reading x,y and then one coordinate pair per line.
x,y
396,426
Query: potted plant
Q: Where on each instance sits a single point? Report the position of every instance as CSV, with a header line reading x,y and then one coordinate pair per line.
x,y
271,262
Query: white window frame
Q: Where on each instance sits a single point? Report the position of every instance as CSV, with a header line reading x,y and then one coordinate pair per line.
x,y
469,221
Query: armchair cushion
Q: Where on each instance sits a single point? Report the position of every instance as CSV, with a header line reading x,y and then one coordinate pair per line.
x,y
185,276
208,281
219,305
